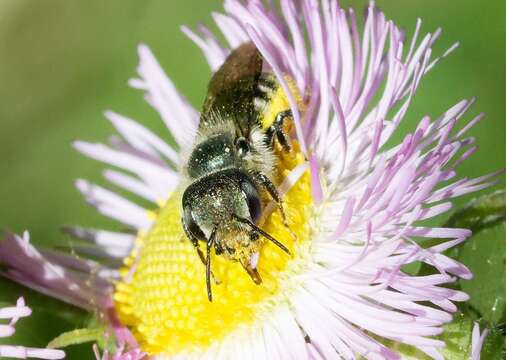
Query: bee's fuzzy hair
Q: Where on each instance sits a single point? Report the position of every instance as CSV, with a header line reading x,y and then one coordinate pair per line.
x,y
261,157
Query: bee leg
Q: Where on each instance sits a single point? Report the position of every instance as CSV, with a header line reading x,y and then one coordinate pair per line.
x,y
271,189
249,265
273,192
276,131
195,243
252,272
210,244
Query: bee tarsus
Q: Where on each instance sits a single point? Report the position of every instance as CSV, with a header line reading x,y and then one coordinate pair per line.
x,y
252,272
210,244
273,192
276,131
195,243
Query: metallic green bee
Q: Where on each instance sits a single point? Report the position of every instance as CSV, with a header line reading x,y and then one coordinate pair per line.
x,y
231,166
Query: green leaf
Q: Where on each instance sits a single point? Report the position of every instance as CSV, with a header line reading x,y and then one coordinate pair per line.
x,y
495,346
484,212
412,268
98,335
458,339
75,337
485,255
456,335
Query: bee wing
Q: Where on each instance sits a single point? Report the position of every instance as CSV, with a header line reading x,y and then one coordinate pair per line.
x,y
231,87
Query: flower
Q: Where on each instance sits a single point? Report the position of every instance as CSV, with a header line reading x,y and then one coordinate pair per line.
x,y
355,202
13,314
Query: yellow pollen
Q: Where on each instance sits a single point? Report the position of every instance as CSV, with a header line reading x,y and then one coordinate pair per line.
x,y
278,102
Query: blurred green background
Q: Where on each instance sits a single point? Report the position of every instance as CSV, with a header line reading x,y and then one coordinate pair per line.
x,y
63,62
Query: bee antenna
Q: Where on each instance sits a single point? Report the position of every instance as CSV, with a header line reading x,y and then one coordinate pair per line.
x,y
210,244
261,232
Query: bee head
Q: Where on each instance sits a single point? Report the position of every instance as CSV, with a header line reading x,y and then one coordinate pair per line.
x,y
216,201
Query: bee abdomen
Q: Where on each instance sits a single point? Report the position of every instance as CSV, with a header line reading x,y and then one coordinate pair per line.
x,y
265,89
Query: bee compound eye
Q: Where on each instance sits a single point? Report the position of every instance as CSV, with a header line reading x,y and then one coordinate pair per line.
x,y
253,200
242,145
192,226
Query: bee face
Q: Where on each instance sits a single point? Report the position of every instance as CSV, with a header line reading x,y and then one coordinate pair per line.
x,y
216,201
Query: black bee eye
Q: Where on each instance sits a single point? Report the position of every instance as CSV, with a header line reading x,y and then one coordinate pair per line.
x,y
253,200
191,226
242,146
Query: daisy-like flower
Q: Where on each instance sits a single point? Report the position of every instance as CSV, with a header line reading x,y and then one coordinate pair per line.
x,y
12,315
354,201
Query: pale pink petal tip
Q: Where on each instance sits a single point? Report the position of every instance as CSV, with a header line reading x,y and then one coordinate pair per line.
x,y
120,354
477,341
12,315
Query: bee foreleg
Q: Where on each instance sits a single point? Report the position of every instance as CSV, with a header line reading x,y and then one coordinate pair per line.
x,y
277,131
273,192
195,243
210,244
268,185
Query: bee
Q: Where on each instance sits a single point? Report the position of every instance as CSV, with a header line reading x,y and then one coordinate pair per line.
x,y
230,168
